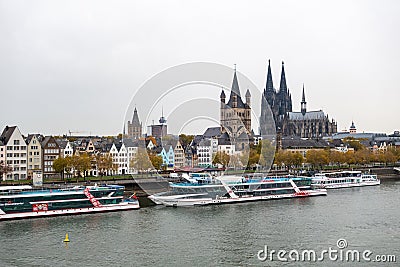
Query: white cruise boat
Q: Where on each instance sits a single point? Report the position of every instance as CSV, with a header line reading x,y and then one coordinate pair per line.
x,y
344,179
234,189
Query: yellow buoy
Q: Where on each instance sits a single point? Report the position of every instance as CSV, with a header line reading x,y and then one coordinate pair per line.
x,y
66,238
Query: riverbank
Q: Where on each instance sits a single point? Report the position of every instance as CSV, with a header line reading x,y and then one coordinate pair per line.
x,y
144,186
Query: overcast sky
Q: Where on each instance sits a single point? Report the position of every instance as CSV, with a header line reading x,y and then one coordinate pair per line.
x,y
75,65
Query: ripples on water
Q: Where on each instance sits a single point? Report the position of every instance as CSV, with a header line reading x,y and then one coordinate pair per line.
x,y
231,235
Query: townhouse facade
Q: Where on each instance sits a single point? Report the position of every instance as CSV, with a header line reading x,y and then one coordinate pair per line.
x,y
15,151
179,155
204,153
34,154
50,152
131,153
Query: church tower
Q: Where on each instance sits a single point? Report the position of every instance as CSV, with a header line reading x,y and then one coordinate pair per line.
x,y
235,115
135,126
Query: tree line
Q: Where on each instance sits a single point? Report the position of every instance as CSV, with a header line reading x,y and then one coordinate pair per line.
x,y
318,158
79,165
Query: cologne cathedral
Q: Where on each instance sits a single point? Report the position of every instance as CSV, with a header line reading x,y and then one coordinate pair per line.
x,y
303,124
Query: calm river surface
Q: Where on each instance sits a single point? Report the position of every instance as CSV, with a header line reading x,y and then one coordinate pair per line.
x,y
231,235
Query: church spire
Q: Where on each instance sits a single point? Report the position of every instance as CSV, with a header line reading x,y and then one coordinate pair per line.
x,y
135,119
235,84
303,103
283,87
235,99
270,85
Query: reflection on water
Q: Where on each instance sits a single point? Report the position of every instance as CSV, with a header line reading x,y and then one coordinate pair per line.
x,y
368,218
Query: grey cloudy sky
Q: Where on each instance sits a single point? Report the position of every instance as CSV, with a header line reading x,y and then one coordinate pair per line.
x,y
75,65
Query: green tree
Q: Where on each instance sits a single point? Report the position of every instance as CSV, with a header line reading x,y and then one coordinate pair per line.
x,y
396,152
389,157
280,158
84,163
141,160
362,156
104,163
289,159
81,163
251,156
59,165
296,159
222,158
156,160
353,143
336,157
350,157
317,157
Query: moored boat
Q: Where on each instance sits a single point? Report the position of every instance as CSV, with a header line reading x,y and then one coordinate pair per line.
x,y
344,179
234,189
18,202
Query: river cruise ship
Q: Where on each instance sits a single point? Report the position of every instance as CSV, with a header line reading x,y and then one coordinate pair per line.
x,y
344,179
17,202
234,189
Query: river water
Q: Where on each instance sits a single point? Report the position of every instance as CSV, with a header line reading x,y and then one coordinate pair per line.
x,y
230,235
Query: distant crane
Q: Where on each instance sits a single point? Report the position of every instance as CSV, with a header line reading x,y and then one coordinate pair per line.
x,y
75,132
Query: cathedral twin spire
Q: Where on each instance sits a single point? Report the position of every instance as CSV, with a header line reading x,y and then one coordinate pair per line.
x,y
279,101
283,87
270,85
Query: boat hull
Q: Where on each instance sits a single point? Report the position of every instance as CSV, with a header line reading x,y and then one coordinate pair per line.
x,y
179,202
64,212
349,185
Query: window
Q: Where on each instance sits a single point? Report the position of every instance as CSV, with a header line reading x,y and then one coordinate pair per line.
x,y
16,142
9,148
